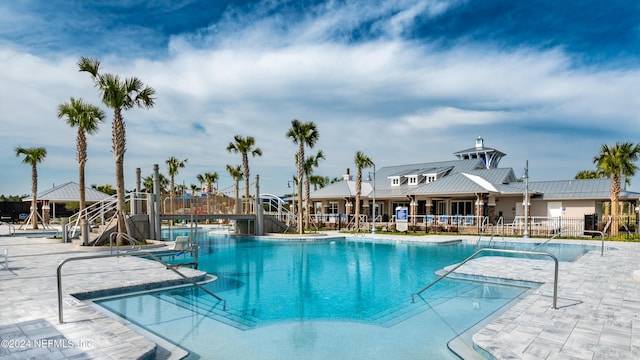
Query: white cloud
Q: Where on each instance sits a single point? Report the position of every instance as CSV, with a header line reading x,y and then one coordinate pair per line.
x,y
397,100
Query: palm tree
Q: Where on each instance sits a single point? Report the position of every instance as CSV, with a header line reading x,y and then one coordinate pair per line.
x,y
86,118
309,164
107,188
209,179
33,156
244,146
193,188
616,162
147,183
318,181
302,134
236,174
174,165
362,161
587,174
118,94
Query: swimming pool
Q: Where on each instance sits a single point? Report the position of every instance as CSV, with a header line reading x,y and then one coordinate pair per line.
x,y
346,298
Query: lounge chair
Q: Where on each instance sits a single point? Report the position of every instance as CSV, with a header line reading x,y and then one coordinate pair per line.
x,y
456,220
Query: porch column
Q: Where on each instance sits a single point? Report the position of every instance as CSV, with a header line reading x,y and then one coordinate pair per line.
x,y
492,207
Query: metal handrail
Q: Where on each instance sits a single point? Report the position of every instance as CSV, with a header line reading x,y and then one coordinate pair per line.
x,y
555,276
153,257
125,236
585,231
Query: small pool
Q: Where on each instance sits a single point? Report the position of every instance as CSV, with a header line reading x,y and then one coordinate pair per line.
x,y
320,299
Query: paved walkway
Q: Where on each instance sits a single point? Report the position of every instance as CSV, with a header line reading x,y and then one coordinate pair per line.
x,y
597,318
29,326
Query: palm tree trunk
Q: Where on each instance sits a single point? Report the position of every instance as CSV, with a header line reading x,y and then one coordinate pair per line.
x,y
236,194
245,168
34,194
82,160
357,204
615,197
307,206
118,131
300,175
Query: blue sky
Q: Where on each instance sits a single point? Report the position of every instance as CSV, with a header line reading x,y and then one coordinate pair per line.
x,y
403,81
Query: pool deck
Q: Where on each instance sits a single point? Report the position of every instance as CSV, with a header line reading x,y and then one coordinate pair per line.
x,y
598,313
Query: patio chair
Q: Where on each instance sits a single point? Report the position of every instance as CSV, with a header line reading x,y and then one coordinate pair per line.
x,y
468,220
428,220
443,220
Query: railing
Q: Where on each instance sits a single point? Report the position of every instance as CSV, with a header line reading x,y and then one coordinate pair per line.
x,y
153,257
125,236
555,276
586,231
90,213
12,229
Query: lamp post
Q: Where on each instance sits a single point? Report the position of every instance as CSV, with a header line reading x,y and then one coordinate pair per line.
x,y
526,201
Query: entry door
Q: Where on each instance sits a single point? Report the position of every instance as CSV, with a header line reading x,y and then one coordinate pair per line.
x,y
554,209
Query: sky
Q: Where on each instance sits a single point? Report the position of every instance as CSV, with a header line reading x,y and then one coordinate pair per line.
x,y
548,82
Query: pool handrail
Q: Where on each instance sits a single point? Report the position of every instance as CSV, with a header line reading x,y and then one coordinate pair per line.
x,y
536,253
142,253
585,231
125,236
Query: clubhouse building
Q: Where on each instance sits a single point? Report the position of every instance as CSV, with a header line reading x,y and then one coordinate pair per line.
x,y
465,192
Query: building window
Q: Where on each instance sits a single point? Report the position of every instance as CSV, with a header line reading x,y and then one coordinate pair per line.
x,y
333,207
395,181
464,207
413,180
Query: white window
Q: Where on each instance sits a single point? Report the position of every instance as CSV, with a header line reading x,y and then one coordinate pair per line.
x,y
333,207
395,181
413,180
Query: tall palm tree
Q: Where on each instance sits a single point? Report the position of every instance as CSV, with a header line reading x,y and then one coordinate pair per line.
x,y
33,156
362,161
244,146
616,162
86,118
302,134
309,163
118,94
209,179
236,174
174,166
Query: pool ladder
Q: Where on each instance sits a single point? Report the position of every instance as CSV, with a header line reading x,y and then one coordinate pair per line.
x,y
142,253
535,253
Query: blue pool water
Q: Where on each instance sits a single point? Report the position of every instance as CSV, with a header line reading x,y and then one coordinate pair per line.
x,y
274,287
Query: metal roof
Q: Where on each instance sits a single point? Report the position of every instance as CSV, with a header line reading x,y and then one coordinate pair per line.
x,y
469,176
69,192
343,189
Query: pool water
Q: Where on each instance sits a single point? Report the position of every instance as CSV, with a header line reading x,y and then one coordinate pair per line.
x,y
314,290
